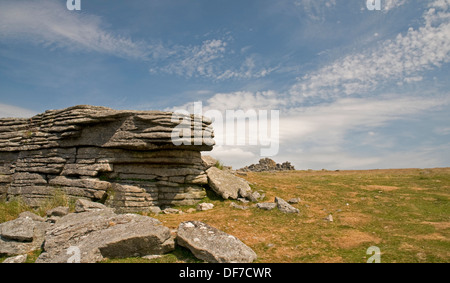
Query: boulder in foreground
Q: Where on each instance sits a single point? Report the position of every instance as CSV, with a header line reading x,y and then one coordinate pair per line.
x,y
100,234
212,245
227,185
22,235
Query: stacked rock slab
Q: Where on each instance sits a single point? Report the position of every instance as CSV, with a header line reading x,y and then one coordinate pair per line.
x,y
125,158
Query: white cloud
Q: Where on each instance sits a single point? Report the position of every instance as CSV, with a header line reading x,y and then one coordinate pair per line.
x,y
406,56
235,156
50,24
329,123
443,131
392,4
269,100
413,79
10,111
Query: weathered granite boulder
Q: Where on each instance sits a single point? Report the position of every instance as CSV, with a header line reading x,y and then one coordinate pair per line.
x,y
284,206
212,245
134,160
22,235
227,185
103,234
20,230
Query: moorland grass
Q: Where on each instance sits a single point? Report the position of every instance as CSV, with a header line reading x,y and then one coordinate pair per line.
x,y
404,212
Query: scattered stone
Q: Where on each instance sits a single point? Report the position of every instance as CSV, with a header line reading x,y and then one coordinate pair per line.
x,y
212,245
255,196
329,218
16,259
58,211
266,205
294,200
83,205
152,256
191,210
170,210
155,209
243,207
204,206
226,184
102,233
285,207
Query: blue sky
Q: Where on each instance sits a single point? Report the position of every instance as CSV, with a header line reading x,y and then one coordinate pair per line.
x,y
356,89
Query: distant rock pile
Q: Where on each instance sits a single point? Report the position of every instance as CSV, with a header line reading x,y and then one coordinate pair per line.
x,y
267,164
124,158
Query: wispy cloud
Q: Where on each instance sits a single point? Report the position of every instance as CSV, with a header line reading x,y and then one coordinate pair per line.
x,y
406,56
210,59
50,24
194,60
315,9
329,123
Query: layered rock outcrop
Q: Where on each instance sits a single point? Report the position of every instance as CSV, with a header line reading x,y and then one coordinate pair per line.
x,y
125,158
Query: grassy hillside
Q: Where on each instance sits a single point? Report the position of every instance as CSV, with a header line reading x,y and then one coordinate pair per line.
x,y
406,213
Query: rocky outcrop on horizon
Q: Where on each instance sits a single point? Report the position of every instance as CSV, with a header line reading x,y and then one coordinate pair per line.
x,y
267,164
